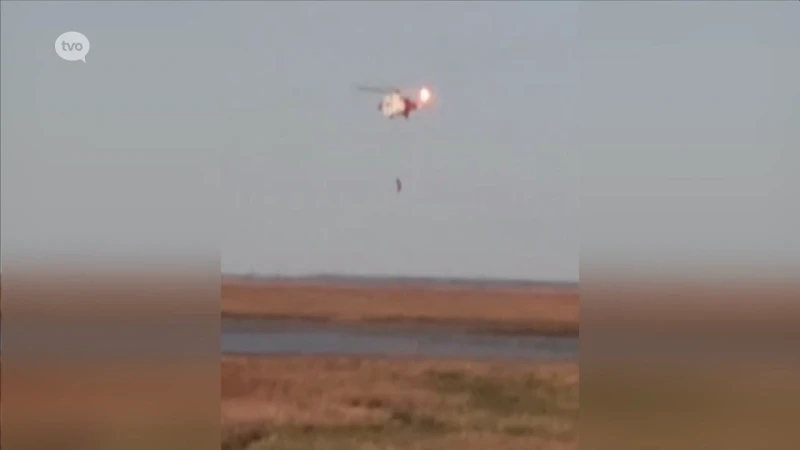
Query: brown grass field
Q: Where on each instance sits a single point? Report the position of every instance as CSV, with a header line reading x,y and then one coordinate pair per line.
x,y
310,403
352,403
338,403
541,310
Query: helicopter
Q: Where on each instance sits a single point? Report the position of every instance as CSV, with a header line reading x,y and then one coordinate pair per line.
x,y
395,104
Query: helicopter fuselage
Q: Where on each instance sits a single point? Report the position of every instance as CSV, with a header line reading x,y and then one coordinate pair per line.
x,y
394,105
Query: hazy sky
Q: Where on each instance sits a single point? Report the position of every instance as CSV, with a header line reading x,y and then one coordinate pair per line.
x,y
688,129
261,94
308,168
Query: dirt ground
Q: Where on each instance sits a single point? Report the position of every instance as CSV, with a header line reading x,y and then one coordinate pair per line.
x,y
541,310
339,403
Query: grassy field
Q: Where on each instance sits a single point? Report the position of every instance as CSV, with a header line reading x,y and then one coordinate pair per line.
x,y
351,403
538,309
317,403
332,403
543,310
340,403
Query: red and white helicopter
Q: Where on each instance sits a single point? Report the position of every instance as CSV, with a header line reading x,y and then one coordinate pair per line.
x,y
395,104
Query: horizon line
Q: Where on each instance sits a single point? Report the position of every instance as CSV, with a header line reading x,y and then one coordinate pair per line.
x,y
381,277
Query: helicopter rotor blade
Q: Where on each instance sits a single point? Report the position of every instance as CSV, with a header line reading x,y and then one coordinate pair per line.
x,y
375,89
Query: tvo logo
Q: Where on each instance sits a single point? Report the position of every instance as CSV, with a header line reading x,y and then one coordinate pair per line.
x,y
72,46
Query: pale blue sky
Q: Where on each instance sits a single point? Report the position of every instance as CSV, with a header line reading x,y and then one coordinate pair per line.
x,y
259,95
689,134
308,165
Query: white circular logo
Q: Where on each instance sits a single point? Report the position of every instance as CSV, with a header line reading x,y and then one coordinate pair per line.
x,y
72,46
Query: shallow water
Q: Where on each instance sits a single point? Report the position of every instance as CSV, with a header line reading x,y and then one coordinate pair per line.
x,y
298,337
283,337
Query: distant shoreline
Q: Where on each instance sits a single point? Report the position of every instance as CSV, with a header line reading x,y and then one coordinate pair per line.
x,y
499,308
475,327
383,280
479,305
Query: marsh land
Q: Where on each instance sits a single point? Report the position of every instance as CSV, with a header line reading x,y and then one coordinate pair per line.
x,y
382,403
541,309
342,403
